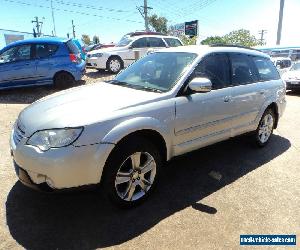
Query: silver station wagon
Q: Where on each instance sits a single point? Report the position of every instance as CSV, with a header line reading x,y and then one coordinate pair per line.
x,y
119,133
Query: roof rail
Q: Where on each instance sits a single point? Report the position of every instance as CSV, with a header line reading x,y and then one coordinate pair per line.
x,y
232,45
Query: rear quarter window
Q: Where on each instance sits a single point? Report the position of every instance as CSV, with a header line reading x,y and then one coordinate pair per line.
x,y
266,69
173,42
73,49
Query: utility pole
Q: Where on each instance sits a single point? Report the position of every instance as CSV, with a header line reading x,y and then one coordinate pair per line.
x,y
73,28
262,33
53,19
144,13
38,26
279,28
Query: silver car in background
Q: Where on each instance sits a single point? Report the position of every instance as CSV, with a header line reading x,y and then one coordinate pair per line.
x,y
166,104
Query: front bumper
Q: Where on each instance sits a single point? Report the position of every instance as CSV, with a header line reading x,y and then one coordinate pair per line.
x,y
95,62
60,168
291,85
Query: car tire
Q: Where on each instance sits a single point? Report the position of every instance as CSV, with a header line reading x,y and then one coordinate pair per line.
x,y
63,80
131,172
114,64
265,128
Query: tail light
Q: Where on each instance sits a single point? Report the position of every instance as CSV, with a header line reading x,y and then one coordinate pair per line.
x,y
75,58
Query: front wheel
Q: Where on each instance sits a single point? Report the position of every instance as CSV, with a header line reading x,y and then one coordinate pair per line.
x,y
131,172
265,128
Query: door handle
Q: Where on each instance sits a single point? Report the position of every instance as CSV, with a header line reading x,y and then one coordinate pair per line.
x,y
227,99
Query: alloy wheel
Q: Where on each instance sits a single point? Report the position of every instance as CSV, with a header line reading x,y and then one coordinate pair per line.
x,y
265,128
135,176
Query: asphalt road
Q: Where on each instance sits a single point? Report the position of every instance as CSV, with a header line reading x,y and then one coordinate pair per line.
x,y
258,193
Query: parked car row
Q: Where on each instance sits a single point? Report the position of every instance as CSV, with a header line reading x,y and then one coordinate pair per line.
x,y
46,61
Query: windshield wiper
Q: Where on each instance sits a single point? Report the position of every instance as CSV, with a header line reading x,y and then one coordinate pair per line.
x,y
150,89
126,84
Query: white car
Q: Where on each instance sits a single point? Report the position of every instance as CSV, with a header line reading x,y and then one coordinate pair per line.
x,y
128,50
119,133
292,77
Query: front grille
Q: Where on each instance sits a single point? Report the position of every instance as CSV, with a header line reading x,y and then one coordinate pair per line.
x,y
18,135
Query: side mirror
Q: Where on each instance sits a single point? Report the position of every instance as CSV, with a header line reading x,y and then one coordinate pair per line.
x,y
130,47
200,85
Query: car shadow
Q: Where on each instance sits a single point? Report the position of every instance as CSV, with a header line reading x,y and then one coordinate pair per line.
x,y
96,74
30,94
86,220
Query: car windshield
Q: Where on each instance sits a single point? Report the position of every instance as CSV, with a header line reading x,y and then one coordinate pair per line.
x,y
125,40
295,67
157,72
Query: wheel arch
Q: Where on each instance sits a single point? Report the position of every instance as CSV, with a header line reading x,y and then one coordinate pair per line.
x,y
274,108
62,71
146,127
114,56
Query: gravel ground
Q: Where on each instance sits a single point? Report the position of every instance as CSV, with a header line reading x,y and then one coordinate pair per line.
x,y
258,193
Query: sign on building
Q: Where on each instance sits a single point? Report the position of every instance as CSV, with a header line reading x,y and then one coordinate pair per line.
x,y
9,38
187,28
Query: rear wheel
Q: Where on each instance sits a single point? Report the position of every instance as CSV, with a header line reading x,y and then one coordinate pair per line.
x,y
265,128
114,65
63,80
131,172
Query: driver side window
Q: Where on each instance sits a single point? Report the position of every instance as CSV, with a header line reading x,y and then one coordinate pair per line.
x,y
15,54
215,67
140,43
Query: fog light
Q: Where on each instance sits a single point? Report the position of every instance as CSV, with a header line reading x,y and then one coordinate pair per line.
x,y
50,182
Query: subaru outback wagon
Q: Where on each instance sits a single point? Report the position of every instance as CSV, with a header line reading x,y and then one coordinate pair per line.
x,y
40,61
166,104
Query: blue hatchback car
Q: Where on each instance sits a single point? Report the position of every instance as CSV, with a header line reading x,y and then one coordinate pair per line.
x,y
40,61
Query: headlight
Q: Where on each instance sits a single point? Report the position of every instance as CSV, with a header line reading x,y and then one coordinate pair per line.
x,y
97,55
54,138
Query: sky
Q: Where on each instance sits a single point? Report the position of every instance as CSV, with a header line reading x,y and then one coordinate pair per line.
x,y
110,20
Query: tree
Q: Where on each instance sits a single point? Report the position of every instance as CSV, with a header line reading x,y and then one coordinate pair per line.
x,y
213,40
188,40
159,24
241,37
96,39
86,39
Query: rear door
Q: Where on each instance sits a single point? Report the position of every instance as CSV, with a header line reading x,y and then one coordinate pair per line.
x,y
45,62
17,67
248,94
156,43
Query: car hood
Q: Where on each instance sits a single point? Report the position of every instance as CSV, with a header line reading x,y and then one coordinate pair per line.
x,y
82,106
291,75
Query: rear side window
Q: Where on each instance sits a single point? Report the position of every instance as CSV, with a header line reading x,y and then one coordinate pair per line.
x,y
45,50
73,49
266,69
155,42
242,69
172,42
215,67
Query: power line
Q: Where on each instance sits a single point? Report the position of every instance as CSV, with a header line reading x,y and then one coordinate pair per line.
x,y
71,11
